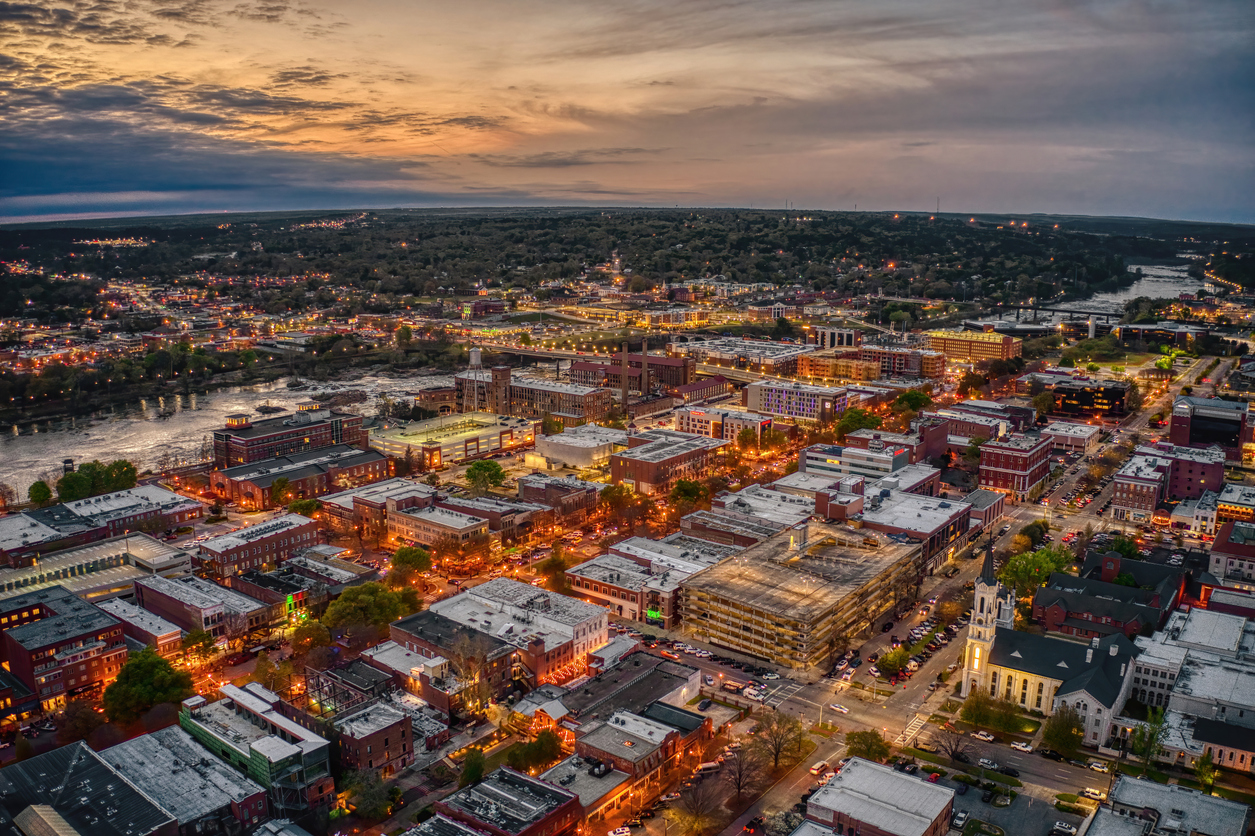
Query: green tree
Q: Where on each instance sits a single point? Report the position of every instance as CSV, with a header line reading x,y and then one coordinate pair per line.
x,y
369,796
404,336
1005,716
279,490
1044,403
1026,572
1205,772
856,419
869,745
1092,368
484,474
73,486
1064,731
893,661
472,768
412,559
971,455
309,635
783,328
78,721
39,493
978,708
778,737
369,605
913,400
1147,739
1126,546
553,568
747,439
304,507
23,749
145,680
199,644
271,675
687,490
617,497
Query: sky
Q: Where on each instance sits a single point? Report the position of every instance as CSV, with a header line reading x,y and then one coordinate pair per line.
x,y
1112,107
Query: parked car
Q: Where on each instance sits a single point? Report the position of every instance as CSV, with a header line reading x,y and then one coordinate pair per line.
x,y
1099,766
1052,754
1064,827
1097,795
1022,747
987,796
620,831
958,822
986,763
1009,770
983,735
961,789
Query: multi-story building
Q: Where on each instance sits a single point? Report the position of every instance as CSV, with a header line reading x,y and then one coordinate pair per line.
x,y
964,427
799,401
583,447
365,509
1017,418
1073,438
769,311
1175,334
246,730
59,646
308,475
459,666
1015,465
926,441
1079,396
605,375
836,461
939,525
1159,472
1089,608
425,526
509,519
896,361
451,439
744,353
145,628
656,459
1208,422
99,571
670,372
376,736
1139,485
827,337
796,596
196,604
204,794
873,799
719,423
244,441
975,346
509,803
569,497
261,547
832,364
496,390
1148,808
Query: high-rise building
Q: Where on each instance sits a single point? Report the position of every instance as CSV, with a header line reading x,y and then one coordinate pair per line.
x,y
975,346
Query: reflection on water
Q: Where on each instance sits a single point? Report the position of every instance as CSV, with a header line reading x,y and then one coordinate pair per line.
x,y
1157,282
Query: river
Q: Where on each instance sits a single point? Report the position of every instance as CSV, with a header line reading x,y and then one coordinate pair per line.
x,y
138,432
1158,282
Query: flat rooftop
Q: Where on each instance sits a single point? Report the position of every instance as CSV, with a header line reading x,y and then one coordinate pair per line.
x,y
736,347
143,619
666,444
1017,442
588,435
302,465
625,735
204,594
800,388
450,429
444,517
170,767
890,801
270,426
756,502
1058,428
71,617
508,800
377,493
803,583
528,598
253,533
572,774
368,720
914,513
1182,809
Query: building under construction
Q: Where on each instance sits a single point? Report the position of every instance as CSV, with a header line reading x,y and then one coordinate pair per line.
x,y
802,595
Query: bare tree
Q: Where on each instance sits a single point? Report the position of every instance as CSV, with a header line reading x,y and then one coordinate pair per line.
x,y
7,495
743,771
697,806
468,656
952,744
778,736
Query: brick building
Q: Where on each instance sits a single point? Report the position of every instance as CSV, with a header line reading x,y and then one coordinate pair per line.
x,y
496,390
59,646
146,628
656,459
719,423
569,497
309,474
668,371
262,546
244,441
896,361
1207,422
975,346
833,365
366,508
927,439
196,604
375,736
426,526
705,389
509,803
605,375
872,799
1015,465
438,638
1090,607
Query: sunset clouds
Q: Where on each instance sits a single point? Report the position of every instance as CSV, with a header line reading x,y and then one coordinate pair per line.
x,y
155,106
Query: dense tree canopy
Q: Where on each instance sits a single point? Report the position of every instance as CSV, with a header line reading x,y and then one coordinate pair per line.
x,y
145,680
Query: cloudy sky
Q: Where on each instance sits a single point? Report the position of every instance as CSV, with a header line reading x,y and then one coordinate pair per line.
x,y
1131,107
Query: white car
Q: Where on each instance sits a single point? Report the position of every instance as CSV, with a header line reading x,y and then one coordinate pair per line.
x,y
839,707
983,735
986,763
1097,795
671,796
1022,747
771,676
1064,827
710,680
620,831
1099,766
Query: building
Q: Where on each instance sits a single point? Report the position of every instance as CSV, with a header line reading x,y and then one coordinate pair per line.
x,y
974,346
260,547
569,497
1088,608
552,633
1207,422
585,447
1139,485
637,746
246,730
719,423
1015,465
59,646
1156,473
365,509
799,594
1082,396
896,361
452,439
29,804
487,666
1233,555
873,799
99,571
1017,418
496,390
145,628
509,803
309,474
1174,334
203,794
703,391
833,364
1175,810
1040,673
28,534
799,401
311,427
427,526
376,736
744,353
509,519
670,372
628,589
1072,438
769,311
608,376
600,791
927,440
837,462
828,337
655,460
939,525
195,604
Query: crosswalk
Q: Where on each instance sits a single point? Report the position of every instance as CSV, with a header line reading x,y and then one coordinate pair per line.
x,y
912,728
781,692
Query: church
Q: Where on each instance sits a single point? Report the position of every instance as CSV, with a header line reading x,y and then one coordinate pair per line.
x,y
1042,673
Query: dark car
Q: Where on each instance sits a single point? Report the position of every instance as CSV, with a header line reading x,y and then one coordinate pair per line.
x,y
987,796
962,757
888,626
1052,754
647,814
1010,770
911,769
961,789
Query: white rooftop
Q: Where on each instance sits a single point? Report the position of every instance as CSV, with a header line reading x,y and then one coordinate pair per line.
x,y
141,618
367,720
444,517
915,513
1059,428
588,435
378,492
893,802
252,533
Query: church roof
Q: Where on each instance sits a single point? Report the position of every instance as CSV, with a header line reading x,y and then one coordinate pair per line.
x,y
988,575
1093,669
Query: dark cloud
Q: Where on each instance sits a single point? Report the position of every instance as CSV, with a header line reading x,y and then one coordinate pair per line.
x,y
566,159
305,77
